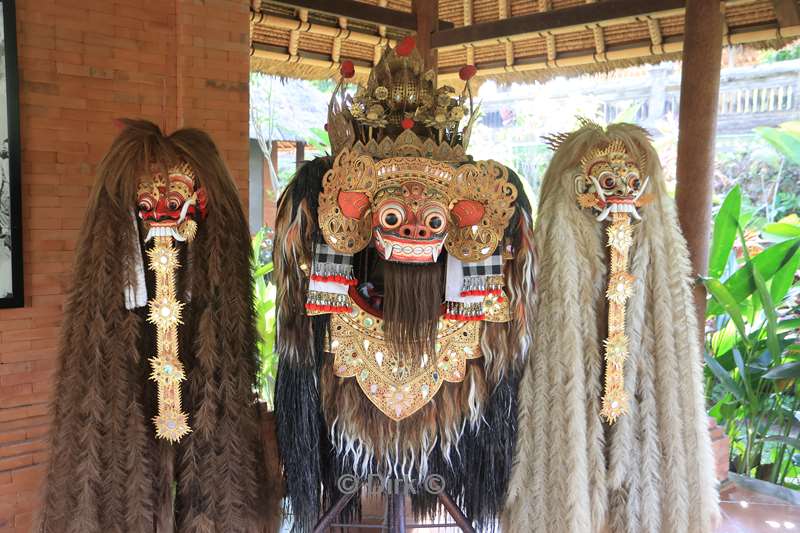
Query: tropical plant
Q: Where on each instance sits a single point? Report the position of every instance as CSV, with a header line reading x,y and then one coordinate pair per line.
x,y
264,304
753,355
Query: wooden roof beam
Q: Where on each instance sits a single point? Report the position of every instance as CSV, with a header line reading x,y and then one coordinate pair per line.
x,y
787,12
381,16
548,21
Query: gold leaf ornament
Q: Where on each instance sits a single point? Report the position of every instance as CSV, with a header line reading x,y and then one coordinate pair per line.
x,y
395,387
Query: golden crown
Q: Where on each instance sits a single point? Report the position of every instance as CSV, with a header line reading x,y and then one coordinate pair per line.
x,y
616,153
400,112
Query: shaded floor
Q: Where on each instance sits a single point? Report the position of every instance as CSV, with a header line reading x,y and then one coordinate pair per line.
x,y
745,511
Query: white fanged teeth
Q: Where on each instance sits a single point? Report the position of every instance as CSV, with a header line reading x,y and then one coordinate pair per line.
x,y
387,250
618,208
164,231
435,250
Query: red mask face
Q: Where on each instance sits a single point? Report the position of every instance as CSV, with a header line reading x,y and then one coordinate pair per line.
x,y
167,202
409,223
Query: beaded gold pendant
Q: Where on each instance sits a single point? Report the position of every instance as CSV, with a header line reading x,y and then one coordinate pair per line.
x,y
620,288
166,368
395,387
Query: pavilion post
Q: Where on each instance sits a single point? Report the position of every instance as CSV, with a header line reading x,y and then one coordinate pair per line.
x,y
299,153
427,12
268,191
702,56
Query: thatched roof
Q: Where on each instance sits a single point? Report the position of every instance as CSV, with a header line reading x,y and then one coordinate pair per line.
x,y
309,44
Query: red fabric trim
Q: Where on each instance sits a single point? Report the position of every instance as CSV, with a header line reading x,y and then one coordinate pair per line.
x,y
493,292
335,279
328,308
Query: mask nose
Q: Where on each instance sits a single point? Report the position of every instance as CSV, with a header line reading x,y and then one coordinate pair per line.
x,y
412,231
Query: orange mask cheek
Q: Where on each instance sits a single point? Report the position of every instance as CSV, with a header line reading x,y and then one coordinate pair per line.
x,y
467,213
353,204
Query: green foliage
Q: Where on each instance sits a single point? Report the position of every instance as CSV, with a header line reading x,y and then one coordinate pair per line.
x,y
785,139
264,304
784,54
751,356
766,168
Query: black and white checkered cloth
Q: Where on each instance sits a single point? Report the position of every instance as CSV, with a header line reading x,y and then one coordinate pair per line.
x,y
476,274
329,262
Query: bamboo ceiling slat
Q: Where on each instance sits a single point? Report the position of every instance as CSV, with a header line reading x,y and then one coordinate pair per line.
x,y
524,7
579,40
484,11
452,11
488,54
271,36
561,4
535,46
756,13
283,45
400,5
623,33
315,43
452,58
352,49
671,26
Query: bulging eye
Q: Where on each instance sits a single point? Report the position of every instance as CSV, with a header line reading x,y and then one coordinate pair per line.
x,y
146,202
174,201
609,182
434,219
634,182
392,216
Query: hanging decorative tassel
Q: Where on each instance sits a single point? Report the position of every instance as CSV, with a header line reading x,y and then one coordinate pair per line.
x,y
167,369
318,303
464,311
620,288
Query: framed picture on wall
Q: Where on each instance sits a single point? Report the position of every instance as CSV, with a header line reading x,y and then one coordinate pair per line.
x,y
10,164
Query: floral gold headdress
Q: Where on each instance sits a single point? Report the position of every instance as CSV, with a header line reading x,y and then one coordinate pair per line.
x,y
610,182
401,112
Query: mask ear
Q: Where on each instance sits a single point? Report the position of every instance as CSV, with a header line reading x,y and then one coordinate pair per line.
x,y
346,193
467,213
353,204
202,201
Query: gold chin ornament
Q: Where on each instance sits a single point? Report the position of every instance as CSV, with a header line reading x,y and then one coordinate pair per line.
x,y
610,182
168,206
395,387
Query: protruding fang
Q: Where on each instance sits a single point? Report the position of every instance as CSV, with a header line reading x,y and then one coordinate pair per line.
x,y
188,203
387,250
638,194
435,250
604,214
176,235
635,214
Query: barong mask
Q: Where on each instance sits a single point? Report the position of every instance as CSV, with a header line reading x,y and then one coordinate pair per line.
x,y
413,264
611,182
171,205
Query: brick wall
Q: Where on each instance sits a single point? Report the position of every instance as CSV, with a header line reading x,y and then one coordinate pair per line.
x,y
82,64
